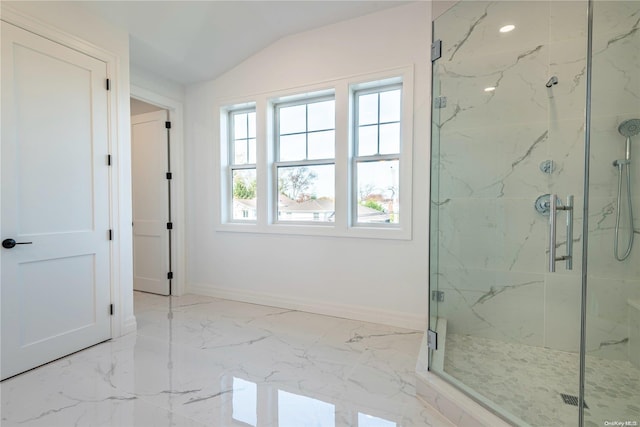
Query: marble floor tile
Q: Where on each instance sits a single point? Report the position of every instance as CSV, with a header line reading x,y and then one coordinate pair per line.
x,y
198,361
528,381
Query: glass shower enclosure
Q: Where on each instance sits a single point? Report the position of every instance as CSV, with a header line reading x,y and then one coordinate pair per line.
x,y
535,129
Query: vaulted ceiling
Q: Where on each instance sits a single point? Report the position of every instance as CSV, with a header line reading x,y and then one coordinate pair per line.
x,y
191,41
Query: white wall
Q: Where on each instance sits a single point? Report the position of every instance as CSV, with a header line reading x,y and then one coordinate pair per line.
x,y
161,86
67,22
369,279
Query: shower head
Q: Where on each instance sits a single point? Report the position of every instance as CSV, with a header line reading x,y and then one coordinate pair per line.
x,y
629,127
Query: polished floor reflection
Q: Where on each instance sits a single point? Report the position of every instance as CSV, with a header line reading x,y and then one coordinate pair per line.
x,y
199,361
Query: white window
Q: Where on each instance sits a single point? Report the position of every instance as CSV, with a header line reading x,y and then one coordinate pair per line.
x,y
305,160
331,159
242,161
376,162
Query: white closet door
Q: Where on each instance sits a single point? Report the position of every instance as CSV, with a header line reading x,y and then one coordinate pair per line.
x,y
149,160
55,197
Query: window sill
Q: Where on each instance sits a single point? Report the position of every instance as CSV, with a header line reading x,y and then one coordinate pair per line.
x,y
320,230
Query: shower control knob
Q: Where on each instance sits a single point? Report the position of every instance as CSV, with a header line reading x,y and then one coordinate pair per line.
x,y
543,204
547,166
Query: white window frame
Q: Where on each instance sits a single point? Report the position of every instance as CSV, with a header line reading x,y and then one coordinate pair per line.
x,y
355,159
277,106
343,90
240,166
227,161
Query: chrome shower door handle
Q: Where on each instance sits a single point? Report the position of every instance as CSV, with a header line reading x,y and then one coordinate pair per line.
x,y
553,217
569,208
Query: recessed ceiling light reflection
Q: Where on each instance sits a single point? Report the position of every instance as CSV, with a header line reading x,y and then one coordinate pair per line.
x,y
507,28
489,89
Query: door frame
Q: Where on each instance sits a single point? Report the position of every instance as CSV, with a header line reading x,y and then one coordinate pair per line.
x,y
175,109
119,144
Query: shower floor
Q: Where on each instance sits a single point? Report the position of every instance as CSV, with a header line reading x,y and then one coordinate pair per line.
x,y
528,381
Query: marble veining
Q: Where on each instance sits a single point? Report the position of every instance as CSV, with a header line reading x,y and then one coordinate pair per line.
x,y
474,24
198,361
490,147
527,381
493,291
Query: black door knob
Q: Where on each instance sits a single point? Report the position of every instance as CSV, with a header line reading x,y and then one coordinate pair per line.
x,y
10,243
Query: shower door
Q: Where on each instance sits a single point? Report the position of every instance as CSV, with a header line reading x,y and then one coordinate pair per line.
x,y
509,132
612,338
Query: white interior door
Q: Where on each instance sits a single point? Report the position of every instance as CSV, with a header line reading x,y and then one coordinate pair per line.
x,y
55,197
149,165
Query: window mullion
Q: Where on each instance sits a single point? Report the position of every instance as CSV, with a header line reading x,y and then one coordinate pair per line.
x,y
377,157
248,139
306,131
302,163
378,123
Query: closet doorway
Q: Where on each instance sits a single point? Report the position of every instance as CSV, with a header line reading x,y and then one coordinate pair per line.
x,y
151,196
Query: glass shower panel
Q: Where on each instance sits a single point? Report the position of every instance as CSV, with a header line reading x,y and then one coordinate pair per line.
x,y
612,386
510,133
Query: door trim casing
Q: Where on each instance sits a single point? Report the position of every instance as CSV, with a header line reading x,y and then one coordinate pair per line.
x,y
121,287
175,109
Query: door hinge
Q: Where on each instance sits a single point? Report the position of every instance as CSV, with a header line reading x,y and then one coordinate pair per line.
x,y
436,50
169,226
169,175
108,159
437,296
110,234
108,84
432,339
111,309
170,275
440,102
167,125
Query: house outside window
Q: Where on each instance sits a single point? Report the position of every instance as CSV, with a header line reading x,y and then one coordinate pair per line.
x,y
376,162
331,159
242,161
305,160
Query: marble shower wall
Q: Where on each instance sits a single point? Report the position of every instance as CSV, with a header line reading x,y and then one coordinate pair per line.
x,y
615,98
492,244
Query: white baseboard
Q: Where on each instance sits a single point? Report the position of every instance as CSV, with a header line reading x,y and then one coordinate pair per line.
x,y
347,311
130,325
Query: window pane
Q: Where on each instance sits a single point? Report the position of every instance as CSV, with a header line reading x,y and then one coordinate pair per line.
x,y
244,194
239,126
252,151
293,119
245,401
367,140
322,115
302,411
293,147
251,118
365,420
240,152
306,193
322,145
368,109
390,106
378,187
390,138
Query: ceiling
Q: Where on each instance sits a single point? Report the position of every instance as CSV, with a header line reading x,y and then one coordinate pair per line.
x,y
191,41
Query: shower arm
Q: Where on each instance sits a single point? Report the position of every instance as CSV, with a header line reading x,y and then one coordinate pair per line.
x,y
627,149
553,215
